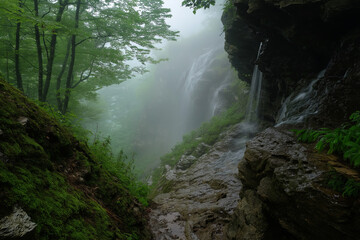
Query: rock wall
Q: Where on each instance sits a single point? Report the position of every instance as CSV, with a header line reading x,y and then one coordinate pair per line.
x,y
285,195
300,38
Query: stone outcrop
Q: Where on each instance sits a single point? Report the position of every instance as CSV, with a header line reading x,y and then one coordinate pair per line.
x,y
285,193
17,225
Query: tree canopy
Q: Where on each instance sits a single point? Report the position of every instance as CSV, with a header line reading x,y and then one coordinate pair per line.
x,y
54,49
198,4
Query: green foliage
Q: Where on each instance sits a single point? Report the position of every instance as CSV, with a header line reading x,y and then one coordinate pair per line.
x,y
198,4
120,167
68,120
348,187
109,36
344,141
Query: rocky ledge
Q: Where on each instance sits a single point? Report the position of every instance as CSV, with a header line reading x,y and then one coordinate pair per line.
x,y
285,193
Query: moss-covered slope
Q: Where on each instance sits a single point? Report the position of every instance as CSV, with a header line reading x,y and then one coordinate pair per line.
x,y
57,181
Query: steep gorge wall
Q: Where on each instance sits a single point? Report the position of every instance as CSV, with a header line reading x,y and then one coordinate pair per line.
x,y
300,38
284,194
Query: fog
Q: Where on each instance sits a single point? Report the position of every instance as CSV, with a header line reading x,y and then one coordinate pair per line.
x,y
146,116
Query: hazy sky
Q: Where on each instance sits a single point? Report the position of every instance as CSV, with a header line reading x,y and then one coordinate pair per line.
x,y
184,20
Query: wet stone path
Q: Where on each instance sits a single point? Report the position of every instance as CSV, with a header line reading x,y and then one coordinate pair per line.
x,y
202,197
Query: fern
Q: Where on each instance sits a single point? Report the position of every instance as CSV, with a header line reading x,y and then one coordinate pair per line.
x,y
344,141
352,188
340,183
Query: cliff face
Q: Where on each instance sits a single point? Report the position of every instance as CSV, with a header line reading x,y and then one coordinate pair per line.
x,y
300,38
285,195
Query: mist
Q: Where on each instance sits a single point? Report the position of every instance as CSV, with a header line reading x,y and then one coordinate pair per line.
x,y
147,115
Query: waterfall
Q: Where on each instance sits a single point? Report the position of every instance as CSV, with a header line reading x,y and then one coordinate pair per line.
x,y
299,105
204,89
198,68
255,91
217,103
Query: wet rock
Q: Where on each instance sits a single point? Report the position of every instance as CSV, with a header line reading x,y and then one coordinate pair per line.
x,y
248,220
22,120
199,201
170,173
17,225
300,38
185,162
289,180
201,149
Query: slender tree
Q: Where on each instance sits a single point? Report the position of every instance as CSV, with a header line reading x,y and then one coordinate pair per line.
x,y
62,5
17,52
59,77
70,74
39,52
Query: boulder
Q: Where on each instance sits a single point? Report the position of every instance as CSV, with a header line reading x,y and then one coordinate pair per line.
x,y
17,225
285,187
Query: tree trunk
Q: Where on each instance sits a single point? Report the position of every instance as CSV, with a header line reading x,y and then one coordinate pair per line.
x,y
58,80
50,62
72,60
7,67
17,54
39,52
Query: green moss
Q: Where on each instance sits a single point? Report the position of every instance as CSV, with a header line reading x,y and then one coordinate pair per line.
x,y
39,164
58,209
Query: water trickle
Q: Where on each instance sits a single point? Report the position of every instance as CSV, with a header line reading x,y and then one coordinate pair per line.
x,y
298,106
255,92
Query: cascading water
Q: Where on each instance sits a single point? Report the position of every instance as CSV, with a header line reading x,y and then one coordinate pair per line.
x,y
206,79
217,102
197,70
255,92
297,107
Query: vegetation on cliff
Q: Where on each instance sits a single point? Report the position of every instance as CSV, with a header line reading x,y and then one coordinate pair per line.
x,y
343,141
69,190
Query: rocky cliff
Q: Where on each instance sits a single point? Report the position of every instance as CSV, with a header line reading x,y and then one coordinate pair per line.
x,y
300,38
311,59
